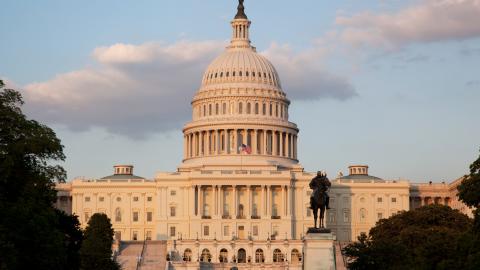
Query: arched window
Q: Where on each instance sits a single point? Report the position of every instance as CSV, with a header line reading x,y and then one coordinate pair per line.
x,y
240,108
278,255
296,257
246,73
242,256
249,108
209,109
240,73
240,210
216,109
276,110
223,258
204,110
187,255
259,258
253,74
118,215
256,108
271,109
224,108
264,109
206,257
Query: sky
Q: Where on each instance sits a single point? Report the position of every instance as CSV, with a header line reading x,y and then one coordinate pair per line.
x,y
388,83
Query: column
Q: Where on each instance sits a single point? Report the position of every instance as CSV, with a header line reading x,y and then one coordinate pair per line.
x,y
225,138
274,143
254,141
269,201
249,204
217,142
287,145
235,141
245,137
284,197
264,146
208,139
234,205
281,150
262,202
197,193
295,146
214,199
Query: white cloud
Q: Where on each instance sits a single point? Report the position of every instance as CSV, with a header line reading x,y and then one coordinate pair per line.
x,y
138,90
427,21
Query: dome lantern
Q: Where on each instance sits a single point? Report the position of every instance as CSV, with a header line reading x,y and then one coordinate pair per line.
x,y
241,26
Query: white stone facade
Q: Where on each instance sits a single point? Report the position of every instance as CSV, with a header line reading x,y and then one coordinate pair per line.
x,y
240,187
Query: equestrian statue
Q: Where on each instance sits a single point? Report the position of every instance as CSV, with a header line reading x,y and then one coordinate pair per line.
x,y
319,198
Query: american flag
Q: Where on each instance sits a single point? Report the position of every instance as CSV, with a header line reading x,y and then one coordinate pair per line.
x,y
245,148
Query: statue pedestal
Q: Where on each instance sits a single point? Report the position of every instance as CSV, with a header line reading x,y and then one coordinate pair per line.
x,y
319,250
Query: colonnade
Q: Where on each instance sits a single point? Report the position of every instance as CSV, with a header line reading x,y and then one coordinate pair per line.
x,y
242,202
419,201
228,141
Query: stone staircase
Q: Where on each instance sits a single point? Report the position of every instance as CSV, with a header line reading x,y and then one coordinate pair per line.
x,y
128,254
154,255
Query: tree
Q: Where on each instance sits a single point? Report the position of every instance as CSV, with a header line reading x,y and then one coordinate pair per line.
x,y
469,193
31,235
96,250
431,237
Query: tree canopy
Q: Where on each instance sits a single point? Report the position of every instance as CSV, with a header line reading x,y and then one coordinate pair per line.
x,y
33,235
430,237
469,193
96,250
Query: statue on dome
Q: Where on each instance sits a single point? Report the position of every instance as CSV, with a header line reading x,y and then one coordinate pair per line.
x,y
319,198
241,11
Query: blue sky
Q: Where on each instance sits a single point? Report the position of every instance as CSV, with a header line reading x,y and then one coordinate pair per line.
x,y
391,84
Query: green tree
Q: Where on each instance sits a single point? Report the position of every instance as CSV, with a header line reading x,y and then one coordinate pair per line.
x,y
469,193
431,237
96,250
31,235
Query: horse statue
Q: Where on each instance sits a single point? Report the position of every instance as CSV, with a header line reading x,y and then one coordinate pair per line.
x,y
319,198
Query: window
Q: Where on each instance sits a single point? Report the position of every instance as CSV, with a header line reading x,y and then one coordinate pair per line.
x,y
173,192
224,109
87,199
259,258
309,212
119,199
256,106
149,216
210,106
173,211
271,109
362,200
379,199
87,217
296,258
172,231
346,216
255,230
394,200
118,235
148,235
135,216
226,230
240,108
101,199
135,199
223,255
206,230
187,255
264,109
217,107
331,216
206,257
149,199
118,215
277,255
249,108
379,215
135,236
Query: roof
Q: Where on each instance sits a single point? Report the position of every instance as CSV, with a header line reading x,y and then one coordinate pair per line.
x,y
362,178
122,177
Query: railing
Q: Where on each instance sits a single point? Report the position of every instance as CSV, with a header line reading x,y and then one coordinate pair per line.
x,y
140,259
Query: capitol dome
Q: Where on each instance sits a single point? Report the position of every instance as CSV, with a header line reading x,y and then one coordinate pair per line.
x,y
240,112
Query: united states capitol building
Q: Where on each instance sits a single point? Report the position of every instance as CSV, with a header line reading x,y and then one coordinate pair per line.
x,y
240,195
